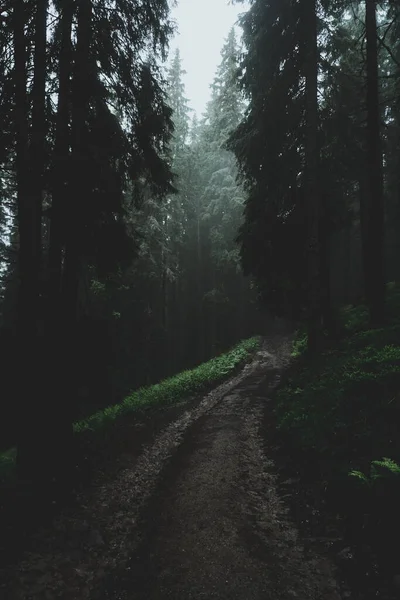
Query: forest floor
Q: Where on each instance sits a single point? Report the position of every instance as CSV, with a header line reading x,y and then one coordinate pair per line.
x,y
196,512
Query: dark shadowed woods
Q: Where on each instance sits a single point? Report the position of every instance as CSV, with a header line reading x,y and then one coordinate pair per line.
x,y
142,246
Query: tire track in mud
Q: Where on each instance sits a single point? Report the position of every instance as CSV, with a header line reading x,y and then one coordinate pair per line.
x,y
216,527
197,515
74,558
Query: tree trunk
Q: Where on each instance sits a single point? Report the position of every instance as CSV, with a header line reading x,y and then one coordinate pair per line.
x,y
57,391
60,168
38,136
77,211
328,317
176,337
375,217
364,212
29,434
314,299
213,314
347,266
164,315
27,291
199,291
73,210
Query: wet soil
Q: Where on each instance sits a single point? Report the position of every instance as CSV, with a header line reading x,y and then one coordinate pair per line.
x,y
196,513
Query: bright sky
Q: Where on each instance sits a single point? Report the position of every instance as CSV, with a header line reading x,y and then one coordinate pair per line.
x,y
203,26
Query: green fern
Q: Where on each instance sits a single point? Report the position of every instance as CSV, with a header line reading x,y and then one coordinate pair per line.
x,y
384,468
360,476
380,469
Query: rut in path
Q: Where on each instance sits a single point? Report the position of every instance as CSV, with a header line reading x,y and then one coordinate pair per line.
x,y
197,515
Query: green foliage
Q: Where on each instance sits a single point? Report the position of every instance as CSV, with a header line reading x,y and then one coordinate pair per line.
x,y
222,197
98,288
380,469
184,296
180,106
343,403
173,389
339,392
269,146
299,343
373,502
340,410
7,464
355,318
168,392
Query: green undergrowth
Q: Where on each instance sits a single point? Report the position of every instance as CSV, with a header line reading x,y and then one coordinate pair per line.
x,y
341,409
346,400
174,389
166,393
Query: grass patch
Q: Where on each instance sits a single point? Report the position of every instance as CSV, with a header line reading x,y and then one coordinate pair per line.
x,y
174,389
166,393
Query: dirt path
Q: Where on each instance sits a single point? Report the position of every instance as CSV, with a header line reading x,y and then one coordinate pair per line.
x,y
196,515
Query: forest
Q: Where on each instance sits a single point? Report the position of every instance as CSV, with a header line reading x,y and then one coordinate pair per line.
x,y
145,250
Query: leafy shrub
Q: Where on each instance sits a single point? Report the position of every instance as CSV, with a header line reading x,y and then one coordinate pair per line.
x,y
299,343
354,318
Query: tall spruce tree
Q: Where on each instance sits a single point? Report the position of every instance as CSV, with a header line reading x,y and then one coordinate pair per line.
x,y
82,162
269,145
375,283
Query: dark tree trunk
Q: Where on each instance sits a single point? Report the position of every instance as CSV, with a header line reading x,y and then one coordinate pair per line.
x,y
38,135
375,217
76,209
164,315
28,286
70,192
213,315
328,316
60,177
57,391
29,435
175,336
347,263
313,216
364,211
199,290
77,212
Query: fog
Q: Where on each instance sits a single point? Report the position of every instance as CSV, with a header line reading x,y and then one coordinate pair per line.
x,y
203,26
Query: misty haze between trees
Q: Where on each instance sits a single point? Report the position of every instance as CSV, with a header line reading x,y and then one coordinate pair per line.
x,y
139,240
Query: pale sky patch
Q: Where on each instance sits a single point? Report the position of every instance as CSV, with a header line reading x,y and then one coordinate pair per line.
x,y
203,26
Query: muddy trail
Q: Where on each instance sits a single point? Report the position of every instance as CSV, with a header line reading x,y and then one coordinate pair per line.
x,y
197,514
